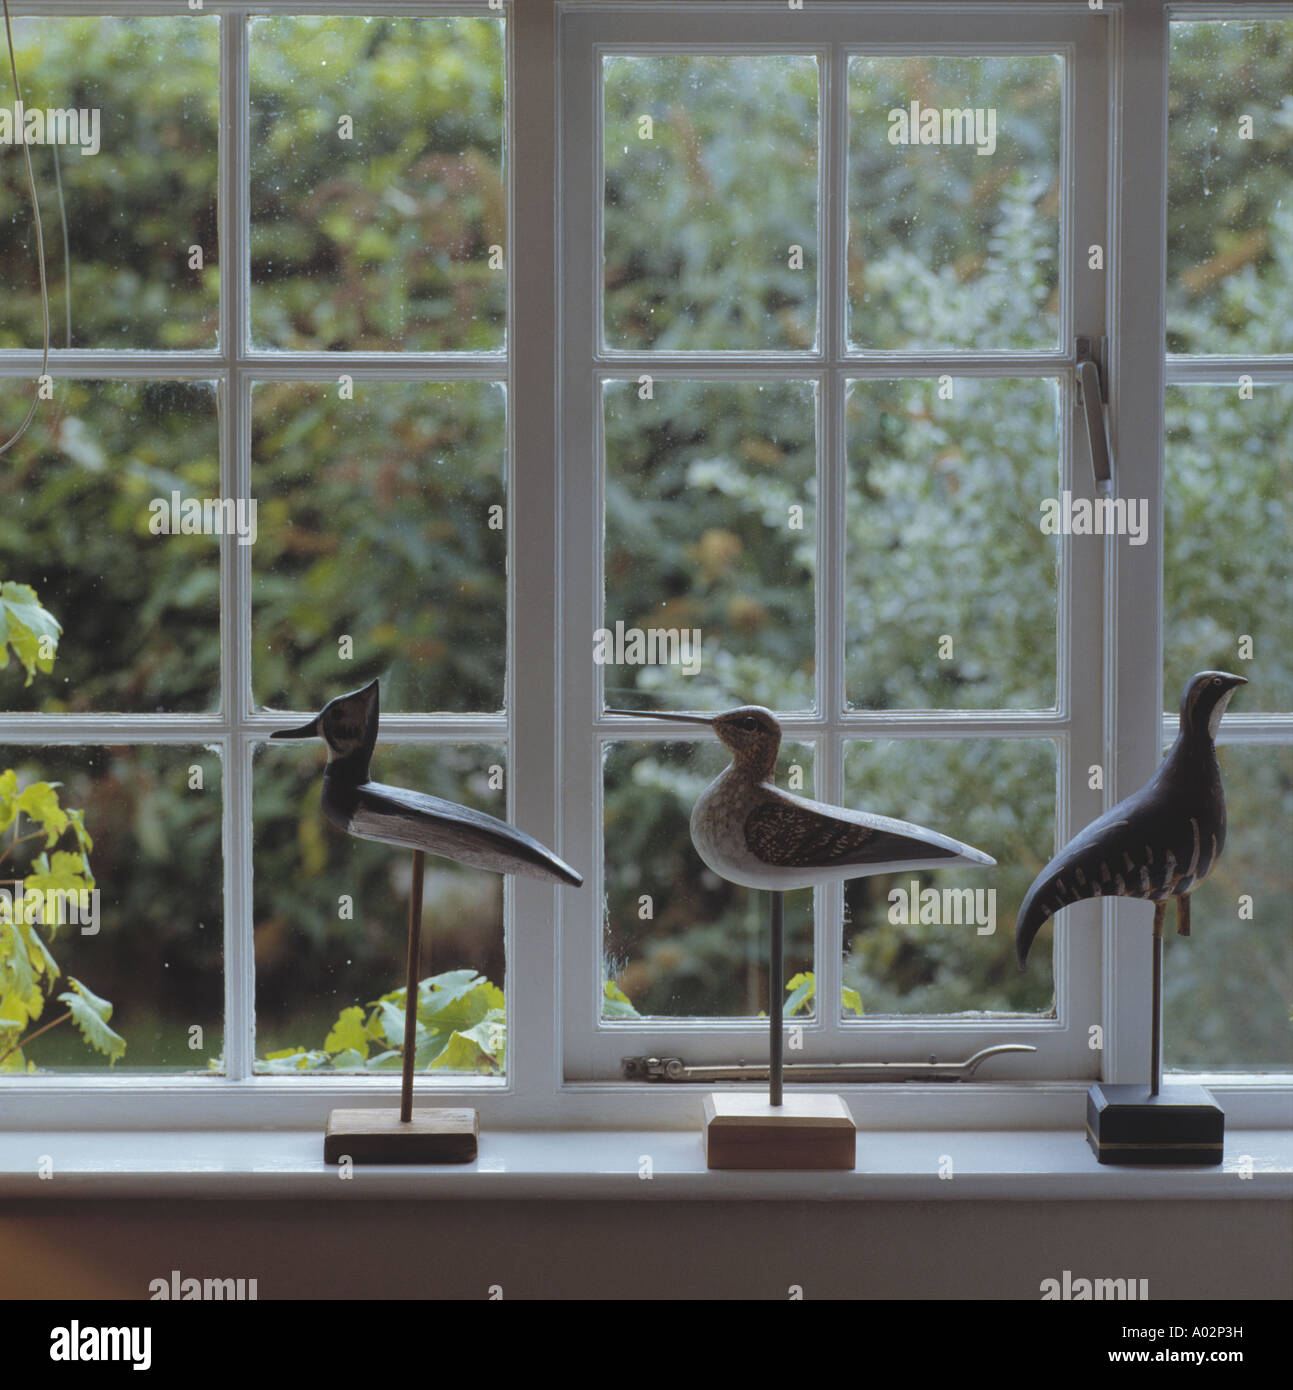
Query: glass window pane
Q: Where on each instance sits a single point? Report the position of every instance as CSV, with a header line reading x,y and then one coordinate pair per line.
x,y
380,521
135,190
951,586
95,504
332,912
153,945
710,201
1230,168
1229,524
711,539
377,203
1228,987
954,202
995,794
680,942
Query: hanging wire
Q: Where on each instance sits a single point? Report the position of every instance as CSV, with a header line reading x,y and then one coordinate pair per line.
x,y
40,245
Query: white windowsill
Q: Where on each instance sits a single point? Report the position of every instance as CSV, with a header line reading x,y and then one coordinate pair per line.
x,y
605,1165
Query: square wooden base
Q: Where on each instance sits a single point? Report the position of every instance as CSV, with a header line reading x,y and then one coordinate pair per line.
x,y
804,1132
1181,1125
379,1136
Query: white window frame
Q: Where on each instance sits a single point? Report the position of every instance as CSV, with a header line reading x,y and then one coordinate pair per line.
x,y
832,34
550,731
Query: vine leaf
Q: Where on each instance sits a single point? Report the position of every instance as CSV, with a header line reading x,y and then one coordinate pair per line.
x,y
23,623
91,1015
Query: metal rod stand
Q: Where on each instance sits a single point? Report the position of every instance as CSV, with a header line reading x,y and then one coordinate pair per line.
x,y
1156,1003
776,984
411,988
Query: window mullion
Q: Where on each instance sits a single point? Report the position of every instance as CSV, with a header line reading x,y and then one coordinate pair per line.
x,y
1134,596
235,617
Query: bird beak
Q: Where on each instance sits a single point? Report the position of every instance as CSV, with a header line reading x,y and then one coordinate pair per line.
x,y
664,714
310,730
1235,681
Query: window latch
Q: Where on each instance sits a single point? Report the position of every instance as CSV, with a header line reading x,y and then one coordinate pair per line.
x,y
1093,396
833,1073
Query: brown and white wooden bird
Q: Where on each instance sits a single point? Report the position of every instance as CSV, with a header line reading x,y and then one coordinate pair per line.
x,y
751,832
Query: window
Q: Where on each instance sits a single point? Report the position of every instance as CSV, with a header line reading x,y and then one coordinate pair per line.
x,y
1227,484
784,381
816,383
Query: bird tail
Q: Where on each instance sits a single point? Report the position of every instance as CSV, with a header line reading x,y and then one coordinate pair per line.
x,y
1040,904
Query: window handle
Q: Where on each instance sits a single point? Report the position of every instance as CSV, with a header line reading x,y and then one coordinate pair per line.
x,y
1092,396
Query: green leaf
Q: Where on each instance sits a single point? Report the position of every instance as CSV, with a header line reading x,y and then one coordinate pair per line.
x,y
17,973
91,1014
39,801
42,961
8,791
802,987
852,1001
77,821
464,1053
615,1003
25,623
348,1033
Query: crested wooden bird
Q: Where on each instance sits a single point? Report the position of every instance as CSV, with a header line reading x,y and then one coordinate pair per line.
x,y
750,832
426,825
396,816
1159,843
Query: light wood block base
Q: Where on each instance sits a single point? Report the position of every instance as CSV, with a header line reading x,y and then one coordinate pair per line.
x,y
804,1132
379,1136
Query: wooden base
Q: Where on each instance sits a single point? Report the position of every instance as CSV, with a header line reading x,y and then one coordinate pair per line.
x,y
804,1132
380,1136
1181,1125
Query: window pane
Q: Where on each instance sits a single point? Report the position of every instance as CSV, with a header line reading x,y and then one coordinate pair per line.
x,y
954,217
1228,529
951,586
381,522
1230,168
136,189
332,912
710,202
377,184
995,794
1228,987
153,946
679,941
88,520
711,540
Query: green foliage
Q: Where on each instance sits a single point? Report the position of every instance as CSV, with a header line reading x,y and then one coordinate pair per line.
x,y
91,1015
23,625
461,1027
28,970
615,1003
802,989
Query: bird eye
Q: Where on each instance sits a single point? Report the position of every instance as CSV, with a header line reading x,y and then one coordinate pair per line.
x,y
1216,680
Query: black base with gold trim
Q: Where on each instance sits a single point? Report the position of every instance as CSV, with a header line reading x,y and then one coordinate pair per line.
x,y
1181,1125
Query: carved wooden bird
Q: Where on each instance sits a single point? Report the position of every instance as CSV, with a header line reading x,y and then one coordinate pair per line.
x,y
414,820
1159,843
751,832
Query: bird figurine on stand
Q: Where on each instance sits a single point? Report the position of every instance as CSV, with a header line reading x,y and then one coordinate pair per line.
x,y
426,825
750,832
1158,844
